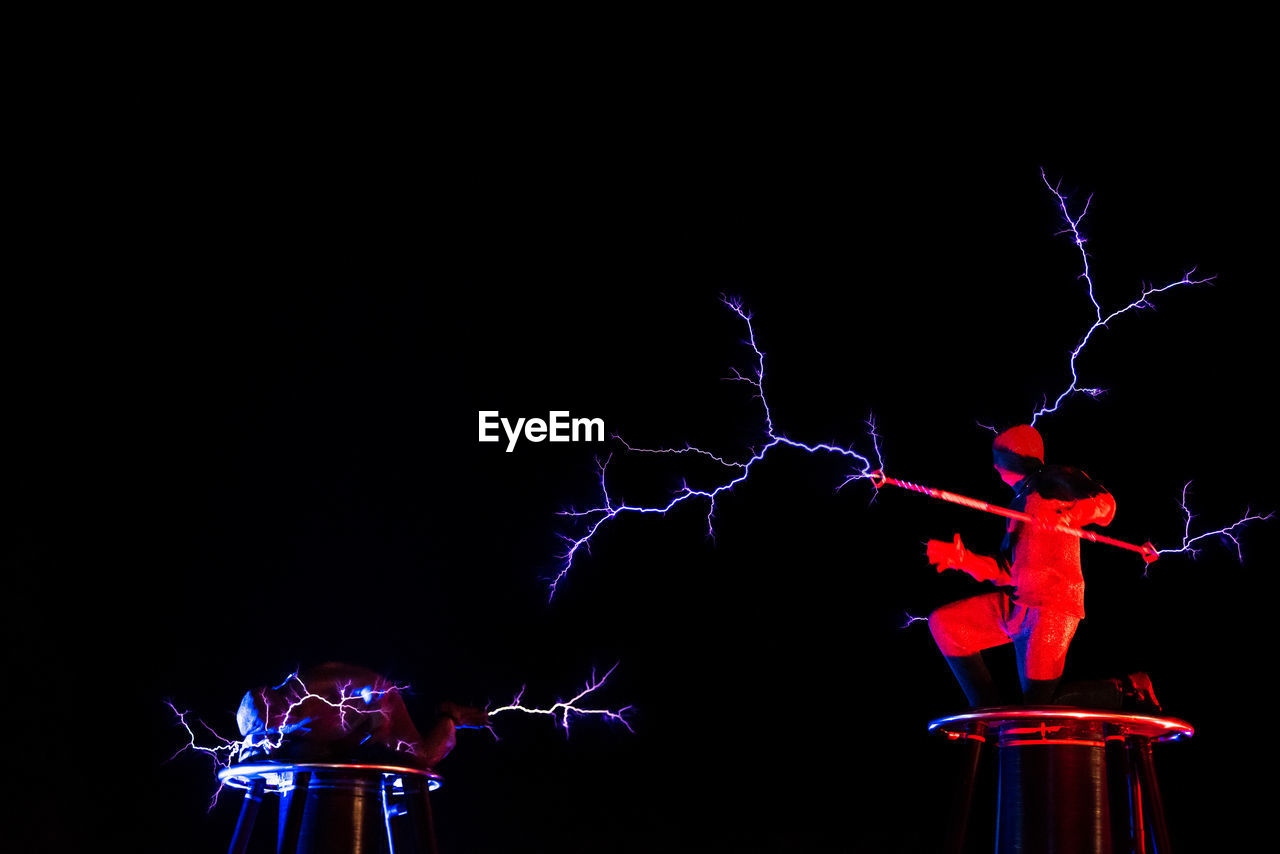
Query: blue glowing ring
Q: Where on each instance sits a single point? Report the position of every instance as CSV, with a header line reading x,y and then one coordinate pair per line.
x,y
242,776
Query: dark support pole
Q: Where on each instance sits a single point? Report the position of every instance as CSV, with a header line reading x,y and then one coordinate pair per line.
x,y
389,812
1151,800
1119,789
1137,818
292,805
248,814
411,825
407,833
430,833
963,803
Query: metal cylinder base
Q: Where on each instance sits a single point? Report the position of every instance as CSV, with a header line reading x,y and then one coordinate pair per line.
x,y
335,808
1071,781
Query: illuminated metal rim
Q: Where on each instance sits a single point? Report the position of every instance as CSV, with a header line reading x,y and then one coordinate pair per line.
x,y
1150,726
273,773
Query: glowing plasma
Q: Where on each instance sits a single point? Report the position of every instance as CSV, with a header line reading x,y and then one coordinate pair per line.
x,y
736,470
563,710
1101,319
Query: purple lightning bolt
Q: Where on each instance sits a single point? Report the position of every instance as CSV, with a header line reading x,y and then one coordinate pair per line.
x,y
736,470
222,754
227,751
563,709
1228,532
1100,321
344,704
912,619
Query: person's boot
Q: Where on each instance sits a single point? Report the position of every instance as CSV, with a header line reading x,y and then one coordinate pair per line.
x,y
975,679
1039,692
1139,694
1092,694
1132,693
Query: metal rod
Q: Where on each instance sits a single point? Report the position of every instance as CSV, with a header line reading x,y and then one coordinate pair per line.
x,y
248,814
1152,802
962,805
1137,818
1147,550
293,804
388,788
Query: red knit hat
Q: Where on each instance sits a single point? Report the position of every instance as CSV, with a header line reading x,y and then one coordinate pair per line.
x,y
1023,440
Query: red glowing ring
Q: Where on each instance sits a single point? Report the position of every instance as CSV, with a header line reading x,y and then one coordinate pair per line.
x,y
877,478
1154,727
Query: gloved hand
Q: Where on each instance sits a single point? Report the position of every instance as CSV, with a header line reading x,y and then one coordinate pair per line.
x,y
946,555
464,716
953,555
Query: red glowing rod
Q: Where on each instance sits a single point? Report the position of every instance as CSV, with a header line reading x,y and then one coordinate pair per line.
x,y
1147,550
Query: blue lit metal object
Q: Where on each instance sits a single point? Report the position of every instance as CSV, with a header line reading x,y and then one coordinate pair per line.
x,y
279,775
332,807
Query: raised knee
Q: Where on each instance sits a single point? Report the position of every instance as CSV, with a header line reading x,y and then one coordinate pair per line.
x,y
941,617
939,626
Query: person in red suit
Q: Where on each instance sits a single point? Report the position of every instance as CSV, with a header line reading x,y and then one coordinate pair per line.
x,y
1039,599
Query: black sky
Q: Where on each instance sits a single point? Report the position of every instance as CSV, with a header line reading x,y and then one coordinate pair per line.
x,y
243,380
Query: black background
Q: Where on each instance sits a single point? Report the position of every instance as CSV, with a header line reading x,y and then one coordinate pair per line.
x,y
243,372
